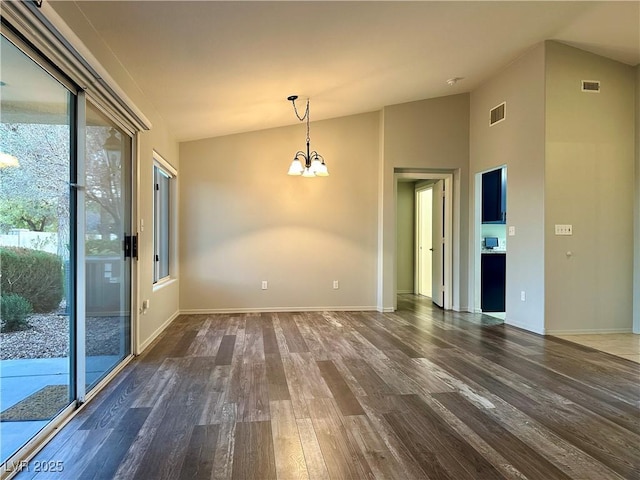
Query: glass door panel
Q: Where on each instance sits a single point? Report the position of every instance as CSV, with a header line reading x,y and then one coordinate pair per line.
x,y
107,227
36,248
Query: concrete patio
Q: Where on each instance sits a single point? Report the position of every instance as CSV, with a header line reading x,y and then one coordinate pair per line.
x,y
22,378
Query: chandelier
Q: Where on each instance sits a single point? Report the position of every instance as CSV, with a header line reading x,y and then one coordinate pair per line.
x,y
314,165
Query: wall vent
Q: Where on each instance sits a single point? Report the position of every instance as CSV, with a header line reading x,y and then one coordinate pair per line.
x,y
497,114
592,86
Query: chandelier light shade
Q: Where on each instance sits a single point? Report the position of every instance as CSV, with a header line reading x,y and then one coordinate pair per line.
x,y
309,164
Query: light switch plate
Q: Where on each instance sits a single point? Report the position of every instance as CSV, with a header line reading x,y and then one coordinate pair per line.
x,y
564,229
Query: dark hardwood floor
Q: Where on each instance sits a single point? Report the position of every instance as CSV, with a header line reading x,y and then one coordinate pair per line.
x,y
416,394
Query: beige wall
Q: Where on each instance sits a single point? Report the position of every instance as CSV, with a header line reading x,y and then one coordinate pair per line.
x,y
589,183
518,143
243,220
405,236
426,136
164,302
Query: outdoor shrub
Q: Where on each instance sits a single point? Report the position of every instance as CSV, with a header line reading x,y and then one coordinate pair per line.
x,y
14,310
34,275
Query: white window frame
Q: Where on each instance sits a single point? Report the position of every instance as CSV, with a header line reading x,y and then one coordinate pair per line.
x,y
163,220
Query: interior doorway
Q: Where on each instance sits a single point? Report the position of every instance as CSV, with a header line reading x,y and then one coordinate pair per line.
x,y
490,242
424,239
433,261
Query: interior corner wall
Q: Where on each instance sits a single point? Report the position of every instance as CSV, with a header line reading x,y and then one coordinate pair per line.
x,y
636,216
589,184
518,143
243,220
427,135
405,236
164,302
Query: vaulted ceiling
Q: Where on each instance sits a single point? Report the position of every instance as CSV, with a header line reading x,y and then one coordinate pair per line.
x,y
212,68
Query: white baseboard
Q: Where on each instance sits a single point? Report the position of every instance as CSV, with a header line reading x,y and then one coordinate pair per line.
x,y
141,347
212,311
524,326
459,308
385,310
589,331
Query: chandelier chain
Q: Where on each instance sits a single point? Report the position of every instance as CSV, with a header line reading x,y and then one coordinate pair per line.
x,y
302,118
307,115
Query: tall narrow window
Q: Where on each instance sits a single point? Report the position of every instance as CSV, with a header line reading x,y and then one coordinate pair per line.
x,y
163,176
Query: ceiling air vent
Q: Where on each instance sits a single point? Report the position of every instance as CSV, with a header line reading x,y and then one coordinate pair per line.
x,y
497,114
592,86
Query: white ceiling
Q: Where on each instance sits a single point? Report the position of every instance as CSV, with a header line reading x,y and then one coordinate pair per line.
x,y
213,68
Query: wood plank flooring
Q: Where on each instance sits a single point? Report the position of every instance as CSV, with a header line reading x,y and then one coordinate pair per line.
x,y
416,394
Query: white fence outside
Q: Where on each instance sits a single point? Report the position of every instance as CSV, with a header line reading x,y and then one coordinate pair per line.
x,y
43,241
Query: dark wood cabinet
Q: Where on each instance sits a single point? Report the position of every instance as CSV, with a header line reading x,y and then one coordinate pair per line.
x,y
494,197
493,278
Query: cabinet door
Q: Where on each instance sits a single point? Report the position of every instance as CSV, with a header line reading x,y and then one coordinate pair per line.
x,y
492,197
493,278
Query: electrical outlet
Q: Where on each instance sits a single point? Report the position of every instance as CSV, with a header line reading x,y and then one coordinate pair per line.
x,y
336,285
564,229
512,231
265,285
523,296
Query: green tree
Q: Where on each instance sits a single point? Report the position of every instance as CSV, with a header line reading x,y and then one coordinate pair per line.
x,y
103,181
35,194
34,215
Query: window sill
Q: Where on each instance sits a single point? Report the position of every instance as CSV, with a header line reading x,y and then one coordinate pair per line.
x,y
165,282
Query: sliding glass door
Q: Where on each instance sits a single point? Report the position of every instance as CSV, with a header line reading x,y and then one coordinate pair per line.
x,y
107,208
65,246
36,248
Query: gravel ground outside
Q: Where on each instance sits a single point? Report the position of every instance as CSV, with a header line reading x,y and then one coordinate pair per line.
x,y
48,337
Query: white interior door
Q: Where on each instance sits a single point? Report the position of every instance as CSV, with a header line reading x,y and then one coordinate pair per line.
x,y
438,244
424,213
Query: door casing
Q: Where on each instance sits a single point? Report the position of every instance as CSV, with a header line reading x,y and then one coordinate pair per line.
x,y
448,178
